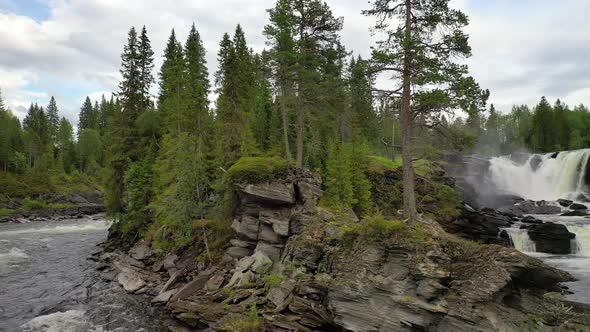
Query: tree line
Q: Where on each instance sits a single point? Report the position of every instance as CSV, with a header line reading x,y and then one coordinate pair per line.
x,y
542,128
305,98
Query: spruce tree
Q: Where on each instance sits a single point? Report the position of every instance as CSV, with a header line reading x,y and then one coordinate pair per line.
x,y
87,116
53,120
171,99
197,84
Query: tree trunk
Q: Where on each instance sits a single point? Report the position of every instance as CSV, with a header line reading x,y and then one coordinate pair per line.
x,y
300,126
285,123
406,129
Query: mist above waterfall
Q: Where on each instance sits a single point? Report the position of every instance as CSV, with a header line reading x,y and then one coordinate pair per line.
x,y
541,177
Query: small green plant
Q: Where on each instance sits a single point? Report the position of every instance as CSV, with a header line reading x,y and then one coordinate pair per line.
x,y
6,212
532,324
248,322
272,280
32,204
60,205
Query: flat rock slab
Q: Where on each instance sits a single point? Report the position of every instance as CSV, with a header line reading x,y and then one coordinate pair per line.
x,y
164,297
192,287
276,193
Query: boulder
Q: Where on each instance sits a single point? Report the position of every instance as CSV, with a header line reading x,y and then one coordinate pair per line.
x,y
531,220
130,281
141,251
242,244
281,296
551,238
481,226
564,202
578,206
273,193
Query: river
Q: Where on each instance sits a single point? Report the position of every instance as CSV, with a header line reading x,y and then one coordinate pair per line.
x,y
48,283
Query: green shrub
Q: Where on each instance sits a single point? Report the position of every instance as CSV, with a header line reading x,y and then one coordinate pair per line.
x,y
257,169
248,322
32,204
6,212
272,280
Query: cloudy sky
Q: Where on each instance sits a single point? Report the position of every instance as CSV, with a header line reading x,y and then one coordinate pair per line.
x,y
523,49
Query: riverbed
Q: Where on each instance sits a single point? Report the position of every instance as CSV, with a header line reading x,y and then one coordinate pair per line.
x,y
49,283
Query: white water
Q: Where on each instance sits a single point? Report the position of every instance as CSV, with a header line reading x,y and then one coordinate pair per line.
x,y
554,178
520,240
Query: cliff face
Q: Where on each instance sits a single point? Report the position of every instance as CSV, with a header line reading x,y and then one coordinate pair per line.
x,y
293,266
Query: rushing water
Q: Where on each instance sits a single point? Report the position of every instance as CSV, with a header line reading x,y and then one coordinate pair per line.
x,y
47,282
551,177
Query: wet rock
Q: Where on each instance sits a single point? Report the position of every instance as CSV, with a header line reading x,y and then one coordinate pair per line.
x,y
547,209
564,202
274,193
578,206
575,213
482,226
551,238
531,220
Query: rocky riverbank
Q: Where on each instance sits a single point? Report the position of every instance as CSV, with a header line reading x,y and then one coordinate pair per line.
x,y
294,266
54,207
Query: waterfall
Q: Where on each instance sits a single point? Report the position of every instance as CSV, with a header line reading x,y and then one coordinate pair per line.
x,y
520,240
582,240
554,177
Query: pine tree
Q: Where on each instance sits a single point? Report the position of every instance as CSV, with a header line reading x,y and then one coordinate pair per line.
x,y
339,191
2,107
66,150
361,100
280,35
145,65
430,81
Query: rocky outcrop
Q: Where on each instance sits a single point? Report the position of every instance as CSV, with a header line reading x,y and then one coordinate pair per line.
x,y
551,238
46,214
293,266
483,226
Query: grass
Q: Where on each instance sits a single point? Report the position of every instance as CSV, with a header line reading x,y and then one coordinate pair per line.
x,y
257,169
6,212
378,229
247,322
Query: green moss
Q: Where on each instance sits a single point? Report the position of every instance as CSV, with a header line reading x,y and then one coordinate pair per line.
x,y
257,169
379,165
6,212
272,280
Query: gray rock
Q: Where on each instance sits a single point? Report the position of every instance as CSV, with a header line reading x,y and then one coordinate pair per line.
x,y
141,251
578,206
242,244
238,252
564,202
278,219
274,193
164,297
198,283
130,281
215,282
262,264
267,234
247,227
281,296
271,251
